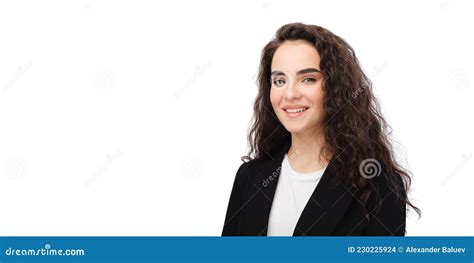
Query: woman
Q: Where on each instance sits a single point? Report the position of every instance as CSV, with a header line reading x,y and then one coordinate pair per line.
x,y
320,162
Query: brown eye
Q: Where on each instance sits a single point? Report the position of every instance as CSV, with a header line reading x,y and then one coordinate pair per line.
x,y
279,82
309,80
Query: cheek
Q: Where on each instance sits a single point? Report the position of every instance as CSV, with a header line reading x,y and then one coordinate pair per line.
x,y
317,97
319,101
275,98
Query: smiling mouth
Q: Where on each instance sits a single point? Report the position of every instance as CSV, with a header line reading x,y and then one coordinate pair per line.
x,y
298,110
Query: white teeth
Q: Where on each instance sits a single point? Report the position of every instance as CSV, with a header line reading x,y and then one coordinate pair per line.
x,y
295,110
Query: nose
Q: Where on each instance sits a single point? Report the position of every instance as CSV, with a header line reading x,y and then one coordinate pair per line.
x,y
292,91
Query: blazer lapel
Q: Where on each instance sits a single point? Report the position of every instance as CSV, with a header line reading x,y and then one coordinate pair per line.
x,y
326,206
263,192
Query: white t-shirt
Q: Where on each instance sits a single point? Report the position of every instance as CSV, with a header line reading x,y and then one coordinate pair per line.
x,y
293,189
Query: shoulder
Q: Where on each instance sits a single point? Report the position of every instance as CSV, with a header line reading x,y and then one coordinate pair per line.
x,y
257,172
390,184
388,194
253,163
249,168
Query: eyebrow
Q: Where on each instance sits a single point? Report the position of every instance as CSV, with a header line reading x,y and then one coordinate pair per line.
x,y
303,71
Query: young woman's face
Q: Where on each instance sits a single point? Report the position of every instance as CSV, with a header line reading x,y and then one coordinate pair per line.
x,y
296,92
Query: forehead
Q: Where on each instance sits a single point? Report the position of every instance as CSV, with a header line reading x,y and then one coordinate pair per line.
x,y
292,56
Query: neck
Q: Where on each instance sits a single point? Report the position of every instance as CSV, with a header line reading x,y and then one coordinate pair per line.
x,y
305,154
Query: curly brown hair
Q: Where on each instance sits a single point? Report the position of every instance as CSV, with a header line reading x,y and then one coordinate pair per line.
x,y
354,128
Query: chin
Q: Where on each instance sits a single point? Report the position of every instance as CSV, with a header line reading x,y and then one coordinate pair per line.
x,y
295,129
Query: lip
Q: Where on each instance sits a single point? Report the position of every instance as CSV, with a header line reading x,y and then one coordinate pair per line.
x,y
294,107
294,114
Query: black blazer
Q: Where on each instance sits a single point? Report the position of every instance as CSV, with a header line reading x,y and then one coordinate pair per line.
x,y
333,209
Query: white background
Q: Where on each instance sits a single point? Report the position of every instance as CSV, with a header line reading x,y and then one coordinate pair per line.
x,y
130,117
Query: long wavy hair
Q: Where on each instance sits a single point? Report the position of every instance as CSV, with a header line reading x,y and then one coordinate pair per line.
x,y
353,126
